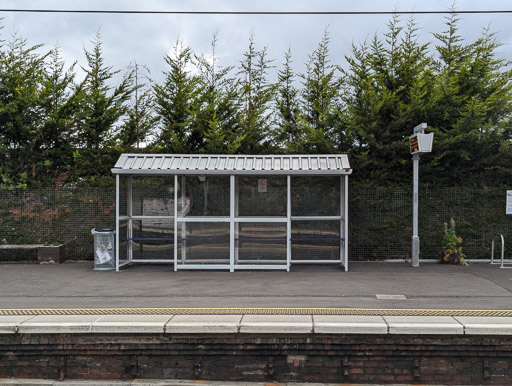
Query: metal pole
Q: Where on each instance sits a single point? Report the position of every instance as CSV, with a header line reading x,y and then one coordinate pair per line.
x,y
237,224
129,204
415,237
175,223
288,222
232,223
117,223
345,227
342,222
183,223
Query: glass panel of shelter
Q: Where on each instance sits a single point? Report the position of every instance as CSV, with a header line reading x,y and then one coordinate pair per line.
x,y
123,242
147,232
152,239
124,223
317,230
315,196
203,229
261,196
260,243
148,212
203,221
260,221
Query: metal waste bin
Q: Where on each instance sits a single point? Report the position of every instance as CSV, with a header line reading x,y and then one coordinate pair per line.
x,y
104,251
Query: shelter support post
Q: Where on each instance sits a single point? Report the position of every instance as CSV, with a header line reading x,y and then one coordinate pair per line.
x,y
175,222
232,223
237,223
344,217
342,221
129,204
288,222
183,223
117,222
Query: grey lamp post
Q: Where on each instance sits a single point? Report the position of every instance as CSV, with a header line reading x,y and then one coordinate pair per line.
x,y
419,143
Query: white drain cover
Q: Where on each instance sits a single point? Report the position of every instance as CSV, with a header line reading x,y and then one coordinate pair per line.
x,y
391,297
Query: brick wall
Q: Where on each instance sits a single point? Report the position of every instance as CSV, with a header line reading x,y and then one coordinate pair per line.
x,y
319,358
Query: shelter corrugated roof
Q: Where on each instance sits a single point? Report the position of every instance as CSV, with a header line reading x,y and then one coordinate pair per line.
x,y
204,164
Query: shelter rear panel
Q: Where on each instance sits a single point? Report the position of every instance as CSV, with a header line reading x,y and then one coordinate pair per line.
x,y
315,196
153,196
262,196
203,196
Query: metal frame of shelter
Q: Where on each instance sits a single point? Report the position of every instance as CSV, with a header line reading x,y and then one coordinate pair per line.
x,y
234,166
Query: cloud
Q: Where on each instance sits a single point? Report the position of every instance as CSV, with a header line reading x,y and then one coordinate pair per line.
x,y
147,38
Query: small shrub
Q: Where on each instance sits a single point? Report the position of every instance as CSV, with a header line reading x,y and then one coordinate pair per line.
x,y
452,246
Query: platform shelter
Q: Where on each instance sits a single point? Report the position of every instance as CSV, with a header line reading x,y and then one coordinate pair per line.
x,y
233,212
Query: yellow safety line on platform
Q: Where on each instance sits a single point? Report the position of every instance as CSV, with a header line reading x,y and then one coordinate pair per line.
x,y
252,311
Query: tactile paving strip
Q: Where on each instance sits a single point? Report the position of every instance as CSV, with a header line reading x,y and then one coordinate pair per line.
x,y
252,311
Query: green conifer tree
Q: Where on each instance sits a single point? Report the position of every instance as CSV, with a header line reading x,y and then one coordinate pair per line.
x,y
140,121
472,110
256,94
59,106
101,109
287,106
390,86
321,107
174,103
216,106
21,75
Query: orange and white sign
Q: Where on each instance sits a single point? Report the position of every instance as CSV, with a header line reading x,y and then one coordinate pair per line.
x,y
262,186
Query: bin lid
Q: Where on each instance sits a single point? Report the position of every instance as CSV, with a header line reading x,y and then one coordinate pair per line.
x,y
104,229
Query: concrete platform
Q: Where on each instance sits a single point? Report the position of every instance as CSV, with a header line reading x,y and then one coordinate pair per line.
x,y
431,286
255,324
373,308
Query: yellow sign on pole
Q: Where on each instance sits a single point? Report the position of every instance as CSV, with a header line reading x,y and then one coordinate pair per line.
x,y
413,142
420,143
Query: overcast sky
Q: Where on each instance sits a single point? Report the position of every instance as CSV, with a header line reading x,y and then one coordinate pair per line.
x,y
147,38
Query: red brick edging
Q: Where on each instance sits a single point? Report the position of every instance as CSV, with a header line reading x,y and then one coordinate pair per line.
x,y
252,357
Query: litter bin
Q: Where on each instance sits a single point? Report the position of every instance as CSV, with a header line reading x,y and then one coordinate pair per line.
x,y
104,253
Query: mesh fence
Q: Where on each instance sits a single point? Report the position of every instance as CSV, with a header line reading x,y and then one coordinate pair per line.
x,y
380,219
208,196
53,216
262,199
315,196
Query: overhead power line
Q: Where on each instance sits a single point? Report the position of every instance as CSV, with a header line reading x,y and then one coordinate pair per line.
x,y
133,12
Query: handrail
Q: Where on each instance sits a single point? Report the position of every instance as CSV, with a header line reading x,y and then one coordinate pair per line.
x,y
502,247
502,251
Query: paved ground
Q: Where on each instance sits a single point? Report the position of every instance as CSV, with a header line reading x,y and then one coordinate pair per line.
x,y
433,286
